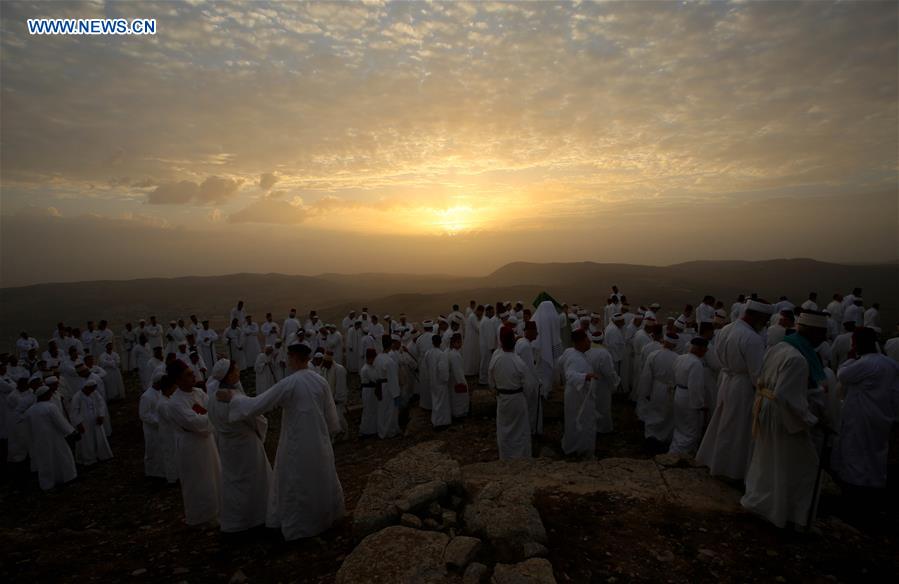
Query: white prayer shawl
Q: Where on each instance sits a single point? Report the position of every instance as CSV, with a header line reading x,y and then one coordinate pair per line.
x,y
19,443
657,386
549,344
197,456
781,477
49,450
726,447
306,495
580,408
353,348
471,345
459,398
115,386
486,345
891,348
526,351
368,375
839,350
438,376
600,361
234,343
246,472
689,399
206,339
251,348
265,372
86,410
167,446
507,371
388,406
154,463
871,385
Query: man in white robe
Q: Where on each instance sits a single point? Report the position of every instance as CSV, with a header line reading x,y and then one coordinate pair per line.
x,y
270,330
265,370
726,446
334,343
872,317
776,332
173,337
486,342
507,375
811,303
111,363
657,390
438,377
613,339
206,339
548,348
196,453
348,322
154,333
891,347
306,495
291,325
781,478
87,413
387,392
102,337
689,398
246,472
234,341
129,340
604,383
526,350
842,345
458,385
237,313
871,384
368,377
154,464
250,341
335,374
422,345
52,457
855,312
354,357
579,437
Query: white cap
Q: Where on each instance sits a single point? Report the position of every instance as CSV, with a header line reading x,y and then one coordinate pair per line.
x,y
41,391
221,368
812,319
757,306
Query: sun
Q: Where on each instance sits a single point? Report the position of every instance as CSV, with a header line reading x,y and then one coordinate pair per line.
x,y
454,220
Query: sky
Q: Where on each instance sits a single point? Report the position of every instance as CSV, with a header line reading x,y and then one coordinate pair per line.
x,y
452,138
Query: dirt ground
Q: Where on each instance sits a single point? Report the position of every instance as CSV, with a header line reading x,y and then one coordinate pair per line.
x,y
112,524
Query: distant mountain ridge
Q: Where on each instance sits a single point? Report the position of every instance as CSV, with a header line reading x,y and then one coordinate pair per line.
x,y
37,308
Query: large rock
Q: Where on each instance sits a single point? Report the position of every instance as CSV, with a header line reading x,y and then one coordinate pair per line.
x,y
461,551
533,571
408,482
503,513
396,555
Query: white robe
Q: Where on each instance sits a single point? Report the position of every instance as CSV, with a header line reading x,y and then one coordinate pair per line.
x,y
265,372
641,338
526,351
153,333
891,348
354,358
246,471
781,476
251,348
85,410
423,344
335,375
19,443
206,339
471,345
438,376
726,446
871,384
196,456
368,375
580,408
613,339
657,386
388,406
140,355
305,492
290,327
486,345
839,349
154,463
167,446
458,386
234,343
689,399
174,337
601,362
513,430
115,386
50,451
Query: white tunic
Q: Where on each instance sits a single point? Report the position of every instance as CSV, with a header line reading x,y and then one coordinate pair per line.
x,y
154,463
689,399
727,445
839,349
891,348
114,385
306,494
657,390
438,377
246,471
234,340
354,359
19,444
335,375
527,352
265,372
251,347
506,371
471,345
368,376
601,362
85,412
486,345
458,386
50,451
388,406
781,476
580,409
871,384
206,339
167,444
196,456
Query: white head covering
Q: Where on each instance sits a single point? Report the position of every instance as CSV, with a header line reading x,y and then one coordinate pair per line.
x,y
220,369
812,319
41,391
549,338
158,374
757,306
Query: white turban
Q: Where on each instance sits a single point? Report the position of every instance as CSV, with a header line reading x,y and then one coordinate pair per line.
x,y
41,391
812,319
221,368
757,306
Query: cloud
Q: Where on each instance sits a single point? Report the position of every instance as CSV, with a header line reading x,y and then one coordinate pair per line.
x,y
271,210
267,180
214,189
37,211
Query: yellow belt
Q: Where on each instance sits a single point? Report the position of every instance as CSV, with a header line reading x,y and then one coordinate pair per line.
x,y
763,392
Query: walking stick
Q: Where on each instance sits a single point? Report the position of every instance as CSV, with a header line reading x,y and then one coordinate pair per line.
x,y
821,458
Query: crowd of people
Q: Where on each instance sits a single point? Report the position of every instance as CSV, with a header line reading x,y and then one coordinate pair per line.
x,y
764,394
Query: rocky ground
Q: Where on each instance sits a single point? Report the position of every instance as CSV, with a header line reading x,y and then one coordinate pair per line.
x,y
445,511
